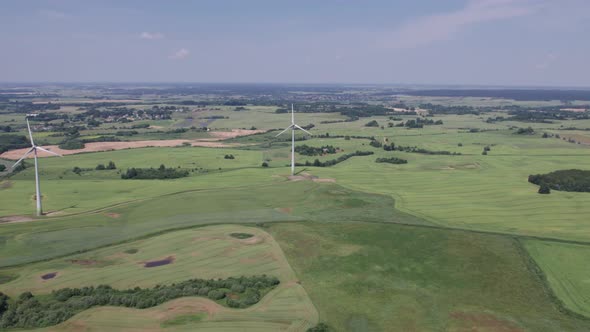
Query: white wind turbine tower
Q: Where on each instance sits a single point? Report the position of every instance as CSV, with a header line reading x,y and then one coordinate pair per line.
x,y
293,126
34,149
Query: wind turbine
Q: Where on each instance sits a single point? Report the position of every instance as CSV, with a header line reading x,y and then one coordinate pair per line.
x,y
293,126
34,149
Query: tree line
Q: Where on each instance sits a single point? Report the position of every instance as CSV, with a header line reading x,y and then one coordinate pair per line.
x,y
565,180
307,150
28,311
328,163
154,173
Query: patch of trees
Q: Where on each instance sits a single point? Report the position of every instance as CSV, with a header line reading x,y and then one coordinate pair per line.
x,y
71,144
28,311
542,115
321,327
352,111
6,129
516,94
328,163
229,156
29,107
564,180
419,123
391,160
525,131
2,167
444,109
110,165
415,149
372,123
10,142
126,133
313,151
154,173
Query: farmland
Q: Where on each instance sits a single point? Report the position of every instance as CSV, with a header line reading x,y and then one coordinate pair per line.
x,y
454,238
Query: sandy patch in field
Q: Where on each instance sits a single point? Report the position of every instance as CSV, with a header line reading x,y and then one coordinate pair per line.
x,y
235,133
83,261
109,146
583,139
14,219
309,177
483,322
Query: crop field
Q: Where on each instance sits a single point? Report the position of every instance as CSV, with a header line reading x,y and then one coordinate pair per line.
x,y
208,252
446,235
567,271
358,274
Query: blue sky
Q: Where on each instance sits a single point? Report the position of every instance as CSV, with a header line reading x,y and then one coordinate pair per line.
x,y
484,42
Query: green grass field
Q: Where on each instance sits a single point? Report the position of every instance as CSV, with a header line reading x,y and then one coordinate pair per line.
x,y
567,271
362,270
378,277
208,252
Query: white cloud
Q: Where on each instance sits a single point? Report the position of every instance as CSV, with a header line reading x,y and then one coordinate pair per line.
x,y
180,54
151,35
444,26
547,61
52,14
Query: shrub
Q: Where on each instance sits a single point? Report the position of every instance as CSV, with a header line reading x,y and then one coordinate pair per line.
x,y
392,160
77,170
372,123
154,173
544,189
100,167
229,156
71,144
111,165
264,164
216,294
525,131
321,327
2,167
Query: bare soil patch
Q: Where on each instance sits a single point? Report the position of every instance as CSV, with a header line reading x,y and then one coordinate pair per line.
x,y
5,184
309,177
286,210
235,133
83,261
48,276
484,322
109,146
13,219
165,261
112,215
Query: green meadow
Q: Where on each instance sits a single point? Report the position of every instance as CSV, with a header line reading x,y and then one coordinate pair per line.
x,y
444,242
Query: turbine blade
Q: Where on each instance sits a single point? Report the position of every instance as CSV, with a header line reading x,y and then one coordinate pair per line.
x,y
53,153
23,157
30,133
302,129
279,134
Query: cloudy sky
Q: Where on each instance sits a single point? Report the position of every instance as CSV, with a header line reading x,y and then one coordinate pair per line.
x,y
484,42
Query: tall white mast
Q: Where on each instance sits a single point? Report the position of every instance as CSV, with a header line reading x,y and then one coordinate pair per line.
x,y
293,127
34,149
